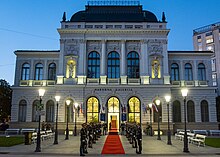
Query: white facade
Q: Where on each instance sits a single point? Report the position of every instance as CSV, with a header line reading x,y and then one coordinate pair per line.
x,y
155,76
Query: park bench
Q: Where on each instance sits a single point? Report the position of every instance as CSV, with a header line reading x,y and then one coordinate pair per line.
x,y
179,135
201,132
190,136
25,130
12,131
214,132
199,139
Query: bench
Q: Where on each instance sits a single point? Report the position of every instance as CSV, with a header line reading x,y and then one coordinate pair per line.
x,y
214,132
201,132
24,130
179,135
12,131
190,137
199,139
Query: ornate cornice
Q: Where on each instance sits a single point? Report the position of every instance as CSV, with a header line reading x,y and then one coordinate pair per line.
x,y
114,31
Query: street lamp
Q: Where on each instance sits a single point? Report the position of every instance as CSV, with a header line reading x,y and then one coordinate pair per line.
x,y
40,107
56,132
76,105
150,108
158,134
67,119
184,92
168,97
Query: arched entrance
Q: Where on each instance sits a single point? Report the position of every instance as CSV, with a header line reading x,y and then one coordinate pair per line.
x,y
113,112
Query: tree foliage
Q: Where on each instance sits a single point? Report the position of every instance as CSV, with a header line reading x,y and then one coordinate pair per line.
x,y
5,100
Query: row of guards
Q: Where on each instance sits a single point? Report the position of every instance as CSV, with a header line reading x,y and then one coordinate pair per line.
x,y
89,134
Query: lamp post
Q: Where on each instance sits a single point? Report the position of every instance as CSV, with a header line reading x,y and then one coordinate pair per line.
x,y
56,131
168,131
158,134
67,119
76,105
150,107
184,92
40,107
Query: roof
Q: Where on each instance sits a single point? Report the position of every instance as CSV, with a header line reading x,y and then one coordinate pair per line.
x,y
114,14
193,52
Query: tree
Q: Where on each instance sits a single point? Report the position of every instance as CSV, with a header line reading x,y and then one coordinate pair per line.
x,y
5,100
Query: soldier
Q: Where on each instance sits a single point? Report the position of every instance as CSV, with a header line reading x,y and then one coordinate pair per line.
x,y
139,139
83,141
104,128
90,135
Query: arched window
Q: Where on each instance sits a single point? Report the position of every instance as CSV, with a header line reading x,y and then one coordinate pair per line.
x,y
113,65
52,71
92,109
201,72
204,111
134,110
158,111
39,71
188,72
22,111
50,111
133,68
25,74
190,111
175,72
176,111
35,117
93,65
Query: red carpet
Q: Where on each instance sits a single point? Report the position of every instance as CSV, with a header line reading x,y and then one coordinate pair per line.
x,y
113,145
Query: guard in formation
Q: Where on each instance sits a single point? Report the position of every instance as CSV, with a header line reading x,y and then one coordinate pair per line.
x,y
134,136
89,134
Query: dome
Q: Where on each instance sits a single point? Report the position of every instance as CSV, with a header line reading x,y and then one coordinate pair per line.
x,y
114,14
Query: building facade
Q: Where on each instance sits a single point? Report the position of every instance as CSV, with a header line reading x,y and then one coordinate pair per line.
x,y
113,61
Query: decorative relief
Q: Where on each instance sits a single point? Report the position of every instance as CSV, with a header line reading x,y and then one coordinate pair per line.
x,y
133,46
155,47
113,46
72,47
94,46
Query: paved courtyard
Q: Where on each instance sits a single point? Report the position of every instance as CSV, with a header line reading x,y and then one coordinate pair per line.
x,y
151,147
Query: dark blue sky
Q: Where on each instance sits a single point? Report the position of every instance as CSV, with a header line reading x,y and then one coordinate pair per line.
x,y
32,24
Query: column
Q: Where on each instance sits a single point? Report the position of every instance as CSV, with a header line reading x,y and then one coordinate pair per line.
x,y
144,68
60,75
81,65
182,71
45,69
195,73
32,73
123,63
165,64
103,67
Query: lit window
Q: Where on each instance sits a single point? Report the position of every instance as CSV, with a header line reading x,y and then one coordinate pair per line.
x,y
213,65
214,80
209,40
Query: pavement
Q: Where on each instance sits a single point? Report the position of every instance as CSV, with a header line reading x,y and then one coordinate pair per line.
x,y
151,147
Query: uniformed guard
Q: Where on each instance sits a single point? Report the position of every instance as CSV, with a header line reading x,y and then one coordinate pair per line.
x,y
90,135
139,140
83,141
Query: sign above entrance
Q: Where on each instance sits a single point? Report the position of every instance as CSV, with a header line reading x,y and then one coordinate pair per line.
x,y
111,90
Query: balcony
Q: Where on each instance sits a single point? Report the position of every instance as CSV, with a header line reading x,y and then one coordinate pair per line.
x,y
134,81
113,81
93,81
203,83
176,83
37,82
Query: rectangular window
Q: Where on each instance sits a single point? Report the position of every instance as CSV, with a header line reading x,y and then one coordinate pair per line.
x,y
118,26
214,80
138,26
209,40
210,47
98,26
89,26
128,26
213,65
109,26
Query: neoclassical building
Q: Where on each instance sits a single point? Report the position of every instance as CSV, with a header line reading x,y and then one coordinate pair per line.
x,y
113,61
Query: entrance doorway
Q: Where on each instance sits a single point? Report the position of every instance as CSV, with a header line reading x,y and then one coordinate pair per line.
x,y
113,113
